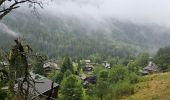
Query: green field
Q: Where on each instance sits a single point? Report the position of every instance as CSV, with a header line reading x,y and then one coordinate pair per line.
x,y
152,87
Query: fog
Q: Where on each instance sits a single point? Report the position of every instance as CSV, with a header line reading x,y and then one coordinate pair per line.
x,y
95,12
5,29
139,11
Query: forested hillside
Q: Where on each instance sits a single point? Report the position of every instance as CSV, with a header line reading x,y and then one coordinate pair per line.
x,y
60,35
84,50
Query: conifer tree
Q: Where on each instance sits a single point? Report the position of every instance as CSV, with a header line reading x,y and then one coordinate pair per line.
x,y
67,65
71,89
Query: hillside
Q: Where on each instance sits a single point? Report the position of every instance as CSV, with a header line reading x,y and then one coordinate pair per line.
x,y
80,37
153,87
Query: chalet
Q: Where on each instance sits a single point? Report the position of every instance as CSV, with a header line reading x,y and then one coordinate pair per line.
x,y
89,63
106,64
89,80
149,69
88,68
50,65
83,76
42,87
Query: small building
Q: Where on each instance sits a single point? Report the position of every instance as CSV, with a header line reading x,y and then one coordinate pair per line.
x,y
49,66
42,87
88,68
87,61
83,76
149,69
89,80
106,64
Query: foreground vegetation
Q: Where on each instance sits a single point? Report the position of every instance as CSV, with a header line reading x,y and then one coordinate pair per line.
x,y
152,87
121,80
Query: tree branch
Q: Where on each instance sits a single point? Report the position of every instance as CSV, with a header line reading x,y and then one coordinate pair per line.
x,y
15,5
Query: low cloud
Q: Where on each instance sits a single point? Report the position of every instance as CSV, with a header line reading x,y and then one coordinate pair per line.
x,y
140,11
5,29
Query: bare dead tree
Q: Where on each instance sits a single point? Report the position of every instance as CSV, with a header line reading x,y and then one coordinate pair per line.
x,y
6,6
18,58
26,84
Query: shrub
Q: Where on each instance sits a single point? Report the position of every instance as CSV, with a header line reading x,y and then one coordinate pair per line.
x,y
56,76
119,73
71,89
122,89
133,78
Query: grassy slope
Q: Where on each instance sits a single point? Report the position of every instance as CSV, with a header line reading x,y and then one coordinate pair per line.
x,y
153,87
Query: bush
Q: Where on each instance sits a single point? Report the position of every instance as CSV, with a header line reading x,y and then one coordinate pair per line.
x,y
3,94
123,89
71,89
56,76
118,73
133,78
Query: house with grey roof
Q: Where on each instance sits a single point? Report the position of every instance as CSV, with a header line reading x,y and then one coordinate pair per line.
x,y
149,69
42,87
50,66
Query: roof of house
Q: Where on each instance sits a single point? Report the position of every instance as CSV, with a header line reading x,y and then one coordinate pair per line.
x,y
151,67
42,85
51,65
87,61
83,76
143,71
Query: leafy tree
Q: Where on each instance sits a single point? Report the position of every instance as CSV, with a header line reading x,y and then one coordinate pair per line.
x,y
97,70
102,87
3,94
67,65
133,78
56,76
91,91
96,57
113,61
14,4
38,65
133,67
118,73
142,60
67,73
71,89
79,66
104,75
123,88
162,58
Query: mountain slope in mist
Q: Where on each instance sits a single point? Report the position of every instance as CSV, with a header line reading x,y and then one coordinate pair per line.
x,y
61,34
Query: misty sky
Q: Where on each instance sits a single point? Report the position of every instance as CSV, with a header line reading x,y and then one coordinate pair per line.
x,y
138,11
143,11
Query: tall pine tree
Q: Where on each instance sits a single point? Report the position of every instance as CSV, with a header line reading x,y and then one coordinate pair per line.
x,y
67,65
71,89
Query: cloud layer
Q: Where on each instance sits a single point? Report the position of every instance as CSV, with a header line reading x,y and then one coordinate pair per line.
x,y
143,11
6,29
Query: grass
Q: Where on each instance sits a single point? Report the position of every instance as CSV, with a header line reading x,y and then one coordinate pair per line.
x,y
152,87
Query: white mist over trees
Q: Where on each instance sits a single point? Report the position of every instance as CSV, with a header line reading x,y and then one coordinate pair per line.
x,y
84,27
7,30
138,11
